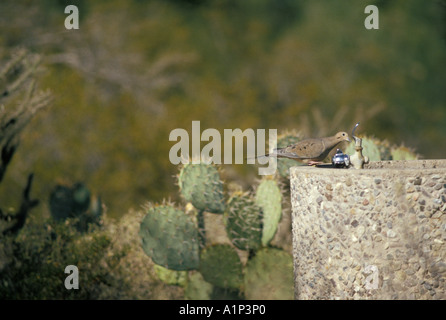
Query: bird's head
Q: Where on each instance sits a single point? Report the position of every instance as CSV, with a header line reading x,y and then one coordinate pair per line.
x,y
342,136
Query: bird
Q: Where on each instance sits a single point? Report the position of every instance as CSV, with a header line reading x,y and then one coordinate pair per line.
x,y
311,151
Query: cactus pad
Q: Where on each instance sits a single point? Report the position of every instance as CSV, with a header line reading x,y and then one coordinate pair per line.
x,y
201,185
378,150
61,203
403,153
269,276
369,149
269,198
81,198
221,266
197,288
384,150
75,202
243,220
171,277
170,238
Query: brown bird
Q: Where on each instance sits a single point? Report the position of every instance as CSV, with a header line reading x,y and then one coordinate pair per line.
x,y
311,151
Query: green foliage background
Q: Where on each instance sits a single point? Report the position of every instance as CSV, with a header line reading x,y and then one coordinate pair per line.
x,y
135,70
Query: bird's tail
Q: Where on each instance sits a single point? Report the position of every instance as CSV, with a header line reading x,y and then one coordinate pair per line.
x,y
274,154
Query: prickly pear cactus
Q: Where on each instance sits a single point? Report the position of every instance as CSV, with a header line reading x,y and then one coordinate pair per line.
x,y
81,198
370,149
243,221
61,203
384,150
269,276
75,202
221,266
201,185
197,288
171,277
378,150
269,198
403,153
350,149
170,238
283,164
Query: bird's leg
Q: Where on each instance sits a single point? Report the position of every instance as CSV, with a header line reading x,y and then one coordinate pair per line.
x,y
314,163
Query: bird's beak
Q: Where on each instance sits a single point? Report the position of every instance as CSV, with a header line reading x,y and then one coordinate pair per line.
x,y
348,139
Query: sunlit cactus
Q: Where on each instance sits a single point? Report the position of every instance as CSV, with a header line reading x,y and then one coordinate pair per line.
x,y
201,185
378,150
269,197
370,148
171,277
403,153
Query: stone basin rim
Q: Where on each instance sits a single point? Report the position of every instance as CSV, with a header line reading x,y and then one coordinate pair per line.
x,y
378,167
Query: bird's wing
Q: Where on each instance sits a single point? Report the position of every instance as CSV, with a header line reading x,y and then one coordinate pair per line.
x,y
306,149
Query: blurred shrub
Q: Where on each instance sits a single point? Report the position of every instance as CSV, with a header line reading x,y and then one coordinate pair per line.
x,y
110,260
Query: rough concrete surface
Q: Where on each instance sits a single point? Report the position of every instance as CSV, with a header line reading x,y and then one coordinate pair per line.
x,y
374,233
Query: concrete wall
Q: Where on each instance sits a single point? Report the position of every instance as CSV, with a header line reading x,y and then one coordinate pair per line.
x,y
375,233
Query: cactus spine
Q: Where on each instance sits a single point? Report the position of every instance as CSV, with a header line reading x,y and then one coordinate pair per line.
x,y
200,184
174,238
243,220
